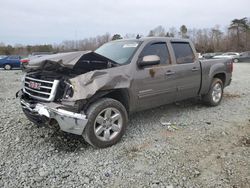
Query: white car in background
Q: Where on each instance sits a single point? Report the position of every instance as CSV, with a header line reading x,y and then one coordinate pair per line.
x,y
25,61
232,55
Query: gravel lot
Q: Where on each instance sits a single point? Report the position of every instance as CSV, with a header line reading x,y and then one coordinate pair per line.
x,y
182,145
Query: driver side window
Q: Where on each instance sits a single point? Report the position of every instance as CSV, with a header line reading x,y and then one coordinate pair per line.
x,y
159,49
13,57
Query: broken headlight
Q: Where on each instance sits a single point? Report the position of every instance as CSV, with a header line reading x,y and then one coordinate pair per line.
x,y
23,80
69,91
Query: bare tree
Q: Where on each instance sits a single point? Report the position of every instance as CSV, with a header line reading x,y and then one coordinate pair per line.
x,y
216,37
159,31
173,32
151,33
236,37
130,36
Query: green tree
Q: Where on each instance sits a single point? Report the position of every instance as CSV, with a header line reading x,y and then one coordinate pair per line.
x,y
239,25
45,48
183,31
116,37
8,50
29,48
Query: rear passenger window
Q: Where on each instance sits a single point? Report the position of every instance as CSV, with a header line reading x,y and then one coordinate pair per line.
x,y
159,49
13,57
183,52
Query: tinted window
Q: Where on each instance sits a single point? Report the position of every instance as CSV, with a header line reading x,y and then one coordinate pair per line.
x,y
183,52
159,49
244,54
13,57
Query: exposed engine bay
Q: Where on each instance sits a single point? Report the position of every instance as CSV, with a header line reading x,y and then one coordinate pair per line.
x,y
71,78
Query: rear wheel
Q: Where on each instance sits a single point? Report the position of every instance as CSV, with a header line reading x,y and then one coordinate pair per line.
x,y
215,94
7,67
107,121
236,60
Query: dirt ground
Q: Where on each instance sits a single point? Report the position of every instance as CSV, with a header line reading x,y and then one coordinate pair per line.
x,y
186,144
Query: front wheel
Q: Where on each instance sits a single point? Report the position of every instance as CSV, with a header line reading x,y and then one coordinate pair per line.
x,y
236,60
107,121
7,67
215,94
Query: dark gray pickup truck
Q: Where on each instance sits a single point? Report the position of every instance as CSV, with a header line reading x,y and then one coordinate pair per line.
x,y
92,93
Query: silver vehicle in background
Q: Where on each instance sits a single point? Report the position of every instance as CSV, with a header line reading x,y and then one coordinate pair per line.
x,y
232,55
244,57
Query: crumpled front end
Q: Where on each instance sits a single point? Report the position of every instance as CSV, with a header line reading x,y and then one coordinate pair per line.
x,y
62,86
42,112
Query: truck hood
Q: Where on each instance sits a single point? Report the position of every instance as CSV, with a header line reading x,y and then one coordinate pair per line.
x,y
70,60
91,72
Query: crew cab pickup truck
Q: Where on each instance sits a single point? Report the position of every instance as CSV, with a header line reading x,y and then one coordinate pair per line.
x,y
92,93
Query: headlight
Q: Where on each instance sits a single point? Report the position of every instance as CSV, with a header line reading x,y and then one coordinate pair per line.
x,y
23,80
68,90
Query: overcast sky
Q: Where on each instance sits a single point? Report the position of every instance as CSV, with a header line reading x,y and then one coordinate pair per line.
x,y
52,21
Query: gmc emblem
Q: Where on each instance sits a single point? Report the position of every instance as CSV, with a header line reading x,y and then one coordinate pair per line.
x,y
34,85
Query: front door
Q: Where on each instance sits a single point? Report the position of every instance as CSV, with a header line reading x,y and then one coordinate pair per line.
x,y
155,85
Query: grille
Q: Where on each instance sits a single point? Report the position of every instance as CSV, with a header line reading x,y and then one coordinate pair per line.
x,y
45,91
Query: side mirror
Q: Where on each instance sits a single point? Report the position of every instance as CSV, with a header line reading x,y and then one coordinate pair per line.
x,y
149,60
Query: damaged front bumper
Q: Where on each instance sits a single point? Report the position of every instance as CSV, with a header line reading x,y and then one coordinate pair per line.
x,y
68,121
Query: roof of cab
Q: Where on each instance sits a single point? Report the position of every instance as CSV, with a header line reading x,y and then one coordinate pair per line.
x,y
149,39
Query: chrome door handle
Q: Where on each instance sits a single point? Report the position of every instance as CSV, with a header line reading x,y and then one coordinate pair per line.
x,y
195,69
169,73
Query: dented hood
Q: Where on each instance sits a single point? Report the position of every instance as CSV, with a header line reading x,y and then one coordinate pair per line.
x,y
98,72
67,60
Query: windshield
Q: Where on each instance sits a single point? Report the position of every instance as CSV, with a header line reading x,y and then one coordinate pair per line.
x,y
118,51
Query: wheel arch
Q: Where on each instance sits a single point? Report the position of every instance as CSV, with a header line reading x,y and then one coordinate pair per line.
x,y
221,76
121,95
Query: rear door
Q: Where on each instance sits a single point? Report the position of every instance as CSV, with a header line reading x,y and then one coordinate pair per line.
x,y
188,71
152,85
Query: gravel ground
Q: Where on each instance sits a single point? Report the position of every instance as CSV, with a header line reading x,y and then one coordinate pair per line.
x,y
181,145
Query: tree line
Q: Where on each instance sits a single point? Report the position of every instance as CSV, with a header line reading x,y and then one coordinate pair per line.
x,y
235,37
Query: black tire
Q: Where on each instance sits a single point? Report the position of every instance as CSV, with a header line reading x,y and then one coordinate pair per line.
x,y
95,110
209,98
7,67
236,60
